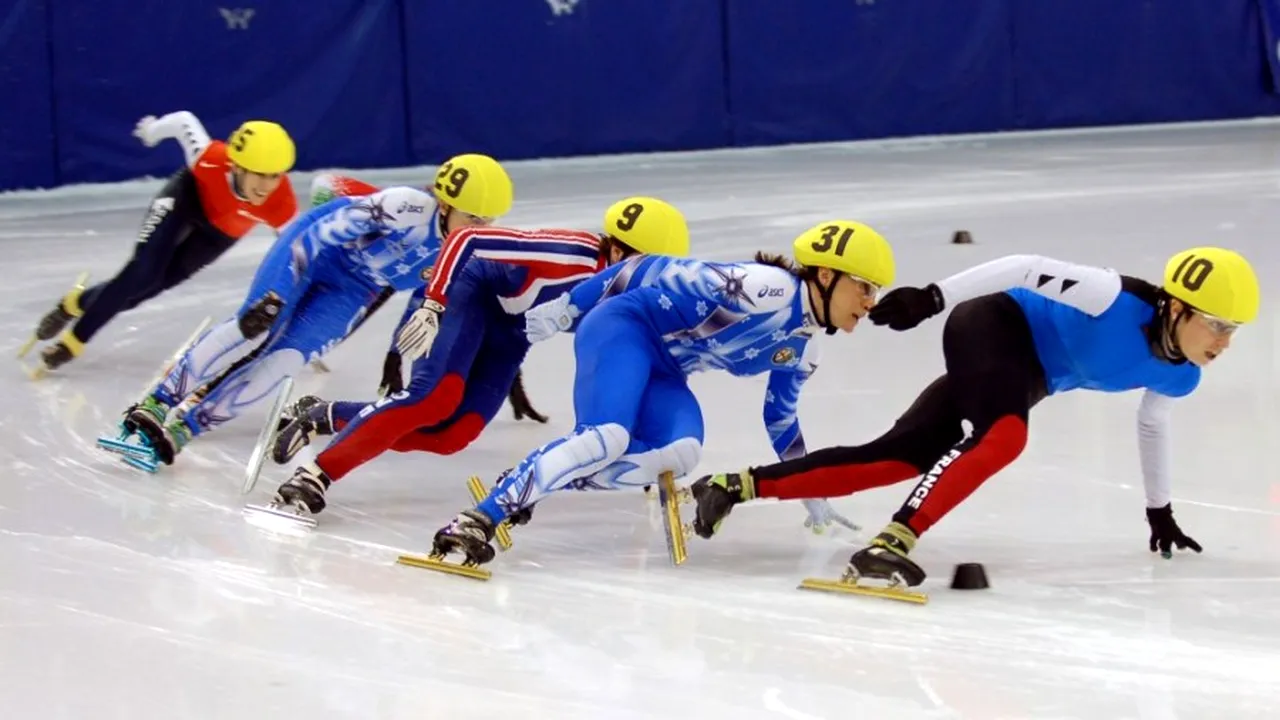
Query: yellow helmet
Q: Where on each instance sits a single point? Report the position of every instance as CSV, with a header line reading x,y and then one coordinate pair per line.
x,y
262,147
848,247
1214,281
648,225
475,184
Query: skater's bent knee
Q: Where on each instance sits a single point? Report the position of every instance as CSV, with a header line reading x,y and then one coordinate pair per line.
x,y
1005,439
685,454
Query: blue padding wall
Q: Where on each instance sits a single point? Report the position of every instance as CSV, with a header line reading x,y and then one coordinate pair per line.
x,y
27,155
811,70
1102,62
332,72
519,82
381,83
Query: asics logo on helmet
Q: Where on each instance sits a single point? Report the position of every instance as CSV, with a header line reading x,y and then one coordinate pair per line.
x,y
767,291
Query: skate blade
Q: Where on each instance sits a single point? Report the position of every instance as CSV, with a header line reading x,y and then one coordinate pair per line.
x,y
35,372
150,466
439,564
851,587
121,446
503,532
26,347
274,518
670,497
266,437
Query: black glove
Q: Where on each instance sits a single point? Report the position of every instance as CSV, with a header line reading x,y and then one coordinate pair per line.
x,y
520,405
906,307
392,380
1165,533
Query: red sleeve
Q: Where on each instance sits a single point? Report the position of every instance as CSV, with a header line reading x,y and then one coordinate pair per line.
x,y
281,206
215,154
349,186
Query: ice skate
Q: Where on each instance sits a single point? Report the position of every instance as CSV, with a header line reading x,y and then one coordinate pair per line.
x,y
56,320
130,442
165,440
54,357
885,559
296,410
714,497
502,532
311,418
470,534
299,499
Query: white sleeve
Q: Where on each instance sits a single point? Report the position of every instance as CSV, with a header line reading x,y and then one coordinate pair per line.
x,y
1085,288
765,288
1153,447
181,126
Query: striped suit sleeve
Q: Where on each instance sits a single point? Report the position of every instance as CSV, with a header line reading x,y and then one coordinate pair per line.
x,y
552,251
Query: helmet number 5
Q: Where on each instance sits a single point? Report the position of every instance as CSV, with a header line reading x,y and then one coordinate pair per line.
x,y
1192,272
455,178
241,139
829,237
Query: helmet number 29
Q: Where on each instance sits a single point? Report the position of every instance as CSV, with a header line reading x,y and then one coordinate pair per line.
x,y
630,214
829,237
455,179
1192,272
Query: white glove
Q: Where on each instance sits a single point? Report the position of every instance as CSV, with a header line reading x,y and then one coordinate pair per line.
x,y
549,318
419,331
142,131
821,515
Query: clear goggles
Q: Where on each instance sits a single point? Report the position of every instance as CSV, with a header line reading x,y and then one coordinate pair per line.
x,y
869,289
1217,325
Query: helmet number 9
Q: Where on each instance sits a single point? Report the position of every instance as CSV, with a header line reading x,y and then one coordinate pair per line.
x,y
630,214
1192,272
456,179
241,139
829,237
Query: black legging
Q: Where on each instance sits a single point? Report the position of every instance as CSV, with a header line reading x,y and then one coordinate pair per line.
x,y
993,379
175,242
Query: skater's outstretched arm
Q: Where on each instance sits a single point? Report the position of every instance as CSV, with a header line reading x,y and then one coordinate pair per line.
x,y
395,208
1153,447
1086,288
551,254
781,400
181,126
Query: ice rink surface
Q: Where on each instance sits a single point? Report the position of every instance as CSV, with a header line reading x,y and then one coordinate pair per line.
x,y
130,596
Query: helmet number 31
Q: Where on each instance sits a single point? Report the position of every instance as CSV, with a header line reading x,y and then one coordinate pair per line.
x,y
829,237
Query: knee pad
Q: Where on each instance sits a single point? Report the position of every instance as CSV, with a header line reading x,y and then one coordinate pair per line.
x,y
587,450
260,316
683,456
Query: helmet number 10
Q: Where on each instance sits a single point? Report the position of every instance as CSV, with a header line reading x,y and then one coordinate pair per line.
x,y
1192,272
829,237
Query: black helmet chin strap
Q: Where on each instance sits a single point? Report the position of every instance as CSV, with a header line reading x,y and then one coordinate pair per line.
x,y
825,293
1163,333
